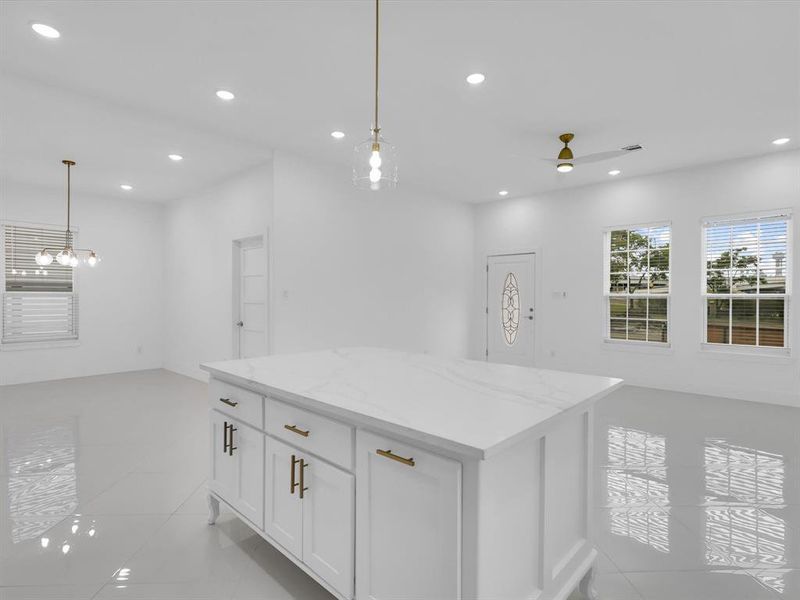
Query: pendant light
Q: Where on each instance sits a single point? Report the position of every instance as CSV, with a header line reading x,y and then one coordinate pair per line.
x,y
68,256
375,159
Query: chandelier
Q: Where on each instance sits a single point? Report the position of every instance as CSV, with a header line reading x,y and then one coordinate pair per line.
x,y
67,256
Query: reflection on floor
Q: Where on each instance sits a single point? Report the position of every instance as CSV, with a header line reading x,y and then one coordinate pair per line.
x,y
102,496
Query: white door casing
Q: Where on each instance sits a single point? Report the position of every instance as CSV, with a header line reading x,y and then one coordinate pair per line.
x,y
510,309
250,297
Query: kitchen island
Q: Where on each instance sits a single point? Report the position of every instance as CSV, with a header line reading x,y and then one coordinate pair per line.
x,y
388,475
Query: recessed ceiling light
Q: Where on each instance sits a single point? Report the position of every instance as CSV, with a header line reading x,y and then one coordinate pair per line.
x,y
175,157
564,168
337,134
781,141
125,186
502,193
614,172
476,78
225,95
45,30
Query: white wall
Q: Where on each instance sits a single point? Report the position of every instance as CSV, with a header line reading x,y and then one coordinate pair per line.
x,y
199,232
353,267
566,228
347,268
121,317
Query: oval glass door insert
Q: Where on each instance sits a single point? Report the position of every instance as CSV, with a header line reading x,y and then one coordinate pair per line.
x,y
509,309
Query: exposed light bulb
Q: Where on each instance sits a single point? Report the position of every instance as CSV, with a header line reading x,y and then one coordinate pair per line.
x,y
564,168
375,159
73,261
65,548
44,258
375,175
75,528
92,260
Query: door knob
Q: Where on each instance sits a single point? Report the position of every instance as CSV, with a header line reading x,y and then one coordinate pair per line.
x,y
240,323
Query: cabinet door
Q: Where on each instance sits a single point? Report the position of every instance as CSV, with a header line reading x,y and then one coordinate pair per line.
x,y
283,508
408,522
222,476
329,524
248,455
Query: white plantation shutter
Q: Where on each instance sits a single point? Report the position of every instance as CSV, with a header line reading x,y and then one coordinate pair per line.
x,y
39,303
747,284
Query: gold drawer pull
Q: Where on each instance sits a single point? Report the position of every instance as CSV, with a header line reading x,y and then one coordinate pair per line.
x,y
388,454
294,429
229,402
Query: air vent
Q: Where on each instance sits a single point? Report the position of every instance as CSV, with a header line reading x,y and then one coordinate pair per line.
x,y
632,148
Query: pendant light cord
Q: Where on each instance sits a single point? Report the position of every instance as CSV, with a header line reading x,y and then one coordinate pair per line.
x,y
377,50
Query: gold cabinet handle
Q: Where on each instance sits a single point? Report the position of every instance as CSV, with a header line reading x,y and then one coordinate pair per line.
x,y
303,488
292,484
229,402
389,454
231,447
294,429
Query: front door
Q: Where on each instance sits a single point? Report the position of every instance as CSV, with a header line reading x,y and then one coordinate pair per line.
x,y
510,309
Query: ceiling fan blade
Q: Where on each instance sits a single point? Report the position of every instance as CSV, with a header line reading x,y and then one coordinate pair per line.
x,y
598,156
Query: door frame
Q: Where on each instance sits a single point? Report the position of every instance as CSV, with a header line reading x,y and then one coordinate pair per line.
x,y
236,272
535,253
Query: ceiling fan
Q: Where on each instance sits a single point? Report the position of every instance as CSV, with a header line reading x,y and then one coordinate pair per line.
x,y
566,161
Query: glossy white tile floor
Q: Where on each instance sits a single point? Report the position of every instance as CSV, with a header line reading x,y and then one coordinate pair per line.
x,y
102,496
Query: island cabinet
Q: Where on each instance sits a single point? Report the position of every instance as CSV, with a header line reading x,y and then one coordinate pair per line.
x,y
389,476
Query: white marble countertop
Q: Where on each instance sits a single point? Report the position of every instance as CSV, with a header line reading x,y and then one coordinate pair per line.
x,y
473,408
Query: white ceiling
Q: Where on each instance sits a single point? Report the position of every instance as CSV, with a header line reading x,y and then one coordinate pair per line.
x,y
129,82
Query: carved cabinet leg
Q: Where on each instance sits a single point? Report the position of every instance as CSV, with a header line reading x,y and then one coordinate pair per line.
x,y
213,509
586,585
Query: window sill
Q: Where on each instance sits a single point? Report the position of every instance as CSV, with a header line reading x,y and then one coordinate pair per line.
x,y
14,346
734,352
638,347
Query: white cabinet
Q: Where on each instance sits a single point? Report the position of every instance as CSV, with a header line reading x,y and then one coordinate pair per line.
x,y
408,522
329,524
237,466
284,517
310,512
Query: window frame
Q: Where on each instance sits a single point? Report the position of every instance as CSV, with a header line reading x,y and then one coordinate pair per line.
x,y
638,345
38,344
746,349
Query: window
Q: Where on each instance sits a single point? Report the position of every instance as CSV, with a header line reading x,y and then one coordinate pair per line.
x,y
637,283
746,281
39,303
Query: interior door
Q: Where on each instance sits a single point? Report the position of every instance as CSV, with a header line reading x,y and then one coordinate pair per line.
x,y
510,314
329,524
250,298
283,514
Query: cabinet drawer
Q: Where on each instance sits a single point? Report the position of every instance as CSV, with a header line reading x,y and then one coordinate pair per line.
x,y
314,433
242,404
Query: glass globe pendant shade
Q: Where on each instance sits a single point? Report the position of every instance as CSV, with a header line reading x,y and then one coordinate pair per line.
x,y
375,164
64,258
44,258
